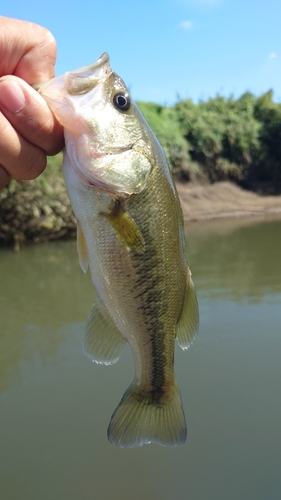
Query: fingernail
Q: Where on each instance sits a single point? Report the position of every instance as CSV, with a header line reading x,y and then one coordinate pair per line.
x,y
12,97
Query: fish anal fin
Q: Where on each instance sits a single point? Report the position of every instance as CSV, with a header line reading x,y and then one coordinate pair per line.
x,y
187,326
125,228
137,420
82,249
103,342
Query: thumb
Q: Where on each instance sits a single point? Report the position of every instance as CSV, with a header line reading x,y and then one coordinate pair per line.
x,y
30,115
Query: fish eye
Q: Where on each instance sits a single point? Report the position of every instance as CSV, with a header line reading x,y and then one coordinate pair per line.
x,y
121,101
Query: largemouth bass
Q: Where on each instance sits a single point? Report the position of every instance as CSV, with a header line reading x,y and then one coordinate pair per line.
x,y
130,234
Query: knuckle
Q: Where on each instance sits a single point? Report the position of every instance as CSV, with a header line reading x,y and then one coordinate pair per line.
x,y
48,45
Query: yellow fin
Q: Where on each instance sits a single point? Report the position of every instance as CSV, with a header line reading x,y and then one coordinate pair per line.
x,y
187,326
103,342
125,228
137,420
82,249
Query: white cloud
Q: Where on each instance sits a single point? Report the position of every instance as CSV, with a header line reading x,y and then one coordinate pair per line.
x,y
272,55
186,25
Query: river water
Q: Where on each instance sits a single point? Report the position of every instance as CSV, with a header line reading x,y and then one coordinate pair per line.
x,y
55,404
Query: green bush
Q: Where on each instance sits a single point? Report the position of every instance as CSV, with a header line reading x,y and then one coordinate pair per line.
x,y
164,122
222,138
265,173
221,132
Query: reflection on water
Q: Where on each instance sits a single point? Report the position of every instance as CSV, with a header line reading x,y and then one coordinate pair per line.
x,y
238,261
55,404
42,288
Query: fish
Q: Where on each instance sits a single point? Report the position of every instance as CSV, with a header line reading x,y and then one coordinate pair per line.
x,y
130,235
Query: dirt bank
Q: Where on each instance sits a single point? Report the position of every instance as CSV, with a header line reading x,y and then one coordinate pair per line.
x,y
222,200
32,212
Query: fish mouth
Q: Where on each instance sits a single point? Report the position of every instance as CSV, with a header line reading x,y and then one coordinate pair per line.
x,y
90,68
78,81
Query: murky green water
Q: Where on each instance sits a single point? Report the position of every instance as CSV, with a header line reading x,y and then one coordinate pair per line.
x,y
55,404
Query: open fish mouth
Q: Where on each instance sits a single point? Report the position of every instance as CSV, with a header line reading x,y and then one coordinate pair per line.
x,y
81,80
90,68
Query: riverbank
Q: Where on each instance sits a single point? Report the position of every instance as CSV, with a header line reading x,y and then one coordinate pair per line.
x,y
224,200
38,211
34,212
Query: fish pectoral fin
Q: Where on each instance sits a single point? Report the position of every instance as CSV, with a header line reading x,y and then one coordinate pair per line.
x,y
125,228
103,342
187,326
82,249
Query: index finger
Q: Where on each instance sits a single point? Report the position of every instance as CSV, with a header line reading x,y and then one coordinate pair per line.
x,y
27,50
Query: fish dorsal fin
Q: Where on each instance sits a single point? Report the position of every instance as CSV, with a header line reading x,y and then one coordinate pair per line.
x,y
187,326
103,342
125,228
82,249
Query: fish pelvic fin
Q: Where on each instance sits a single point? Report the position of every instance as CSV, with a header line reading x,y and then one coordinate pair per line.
x,y
188,324
139,420
103,342
125,228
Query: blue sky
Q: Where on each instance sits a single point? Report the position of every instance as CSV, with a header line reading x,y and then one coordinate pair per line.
x,y
165,49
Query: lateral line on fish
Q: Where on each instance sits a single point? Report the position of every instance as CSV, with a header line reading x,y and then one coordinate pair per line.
x,y
150,296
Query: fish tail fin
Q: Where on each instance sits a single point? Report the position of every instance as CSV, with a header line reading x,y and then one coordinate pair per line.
x,y
141,419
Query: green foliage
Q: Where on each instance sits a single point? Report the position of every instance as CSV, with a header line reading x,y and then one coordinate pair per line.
x,y
164,123
266,170
221,132
37,210
222,138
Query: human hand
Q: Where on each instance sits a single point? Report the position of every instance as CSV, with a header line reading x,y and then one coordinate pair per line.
x,y
29,130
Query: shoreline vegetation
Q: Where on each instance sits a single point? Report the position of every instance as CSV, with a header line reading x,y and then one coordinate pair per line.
x,y
36,211
224,153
